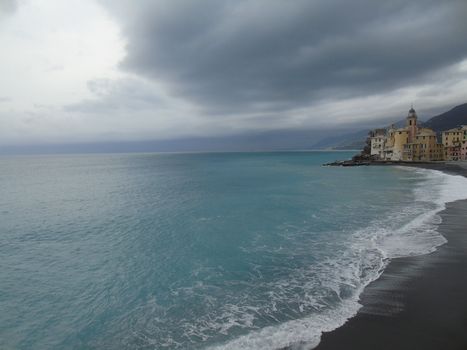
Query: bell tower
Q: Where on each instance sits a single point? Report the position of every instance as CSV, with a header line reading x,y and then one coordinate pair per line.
x,y
411,124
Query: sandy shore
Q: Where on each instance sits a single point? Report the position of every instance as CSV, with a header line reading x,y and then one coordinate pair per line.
x,y
419,302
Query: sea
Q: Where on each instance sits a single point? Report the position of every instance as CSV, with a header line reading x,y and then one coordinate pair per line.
x,y
201,250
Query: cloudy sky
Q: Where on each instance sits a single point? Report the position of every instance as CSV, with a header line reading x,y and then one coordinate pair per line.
x,y
86,71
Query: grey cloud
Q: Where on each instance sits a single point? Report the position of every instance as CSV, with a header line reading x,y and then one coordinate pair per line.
x,y
127,95
8,6
265,55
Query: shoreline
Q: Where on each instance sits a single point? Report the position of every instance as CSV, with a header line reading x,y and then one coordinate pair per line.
x,y
451,168
419,302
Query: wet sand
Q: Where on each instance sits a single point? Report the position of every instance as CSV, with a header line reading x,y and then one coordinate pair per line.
x,y
454,168
418,302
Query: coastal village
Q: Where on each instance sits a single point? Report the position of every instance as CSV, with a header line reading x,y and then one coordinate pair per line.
x,y
414,143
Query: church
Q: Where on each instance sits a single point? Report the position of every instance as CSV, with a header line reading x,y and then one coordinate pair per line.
x,y
411,143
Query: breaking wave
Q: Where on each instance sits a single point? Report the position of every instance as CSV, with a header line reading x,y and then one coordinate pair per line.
x,y
410,230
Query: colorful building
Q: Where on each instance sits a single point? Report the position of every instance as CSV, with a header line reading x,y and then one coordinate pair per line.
x,y
401,138
464,144
455,143
424,147
410,143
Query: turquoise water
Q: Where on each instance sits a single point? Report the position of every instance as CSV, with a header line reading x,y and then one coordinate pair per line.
x,y
192,251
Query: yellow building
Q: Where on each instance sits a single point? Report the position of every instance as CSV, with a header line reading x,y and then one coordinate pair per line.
x,y
410,143
401,138
424,147
454,141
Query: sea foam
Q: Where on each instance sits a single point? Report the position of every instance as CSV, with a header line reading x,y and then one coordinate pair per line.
x,y
410,231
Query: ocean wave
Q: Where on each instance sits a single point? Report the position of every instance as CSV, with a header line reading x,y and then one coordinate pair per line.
x,y
411,230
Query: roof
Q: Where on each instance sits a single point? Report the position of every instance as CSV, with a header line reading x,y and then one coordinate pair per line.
x,y
459,128
425,131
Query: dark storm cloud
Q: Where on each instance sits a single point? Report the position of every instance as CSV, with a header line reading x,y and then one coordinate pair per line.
x,y
268,55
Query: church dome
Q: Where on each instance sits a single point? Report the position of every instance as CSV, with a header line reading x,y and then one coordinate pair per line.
x,y
412,113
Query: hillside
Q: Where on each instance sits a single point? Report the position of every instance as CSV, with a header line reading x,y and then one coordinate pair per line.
x,y
348,141
354,140
448,120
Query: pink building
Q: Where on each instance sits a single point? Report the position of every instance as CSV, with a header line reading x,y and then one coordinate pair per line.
x,y
463,143
463,152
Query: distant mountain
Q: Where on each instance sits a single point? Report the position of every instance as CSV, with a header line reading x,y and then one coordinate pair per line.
x,y
448,120
350,141
354,140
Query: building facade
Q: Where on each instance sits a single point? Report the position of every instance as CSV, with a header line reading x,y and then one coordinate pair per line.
x,y
424,147
455,143
401,138
464,144
378,142
410,143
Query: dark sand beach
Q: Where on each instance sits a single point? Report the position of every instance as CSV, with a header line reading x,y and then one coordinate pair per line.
x,y
418,302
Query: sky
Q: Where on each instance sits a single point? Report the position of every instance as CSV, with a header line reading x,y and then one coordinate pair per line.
x,y
90,71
